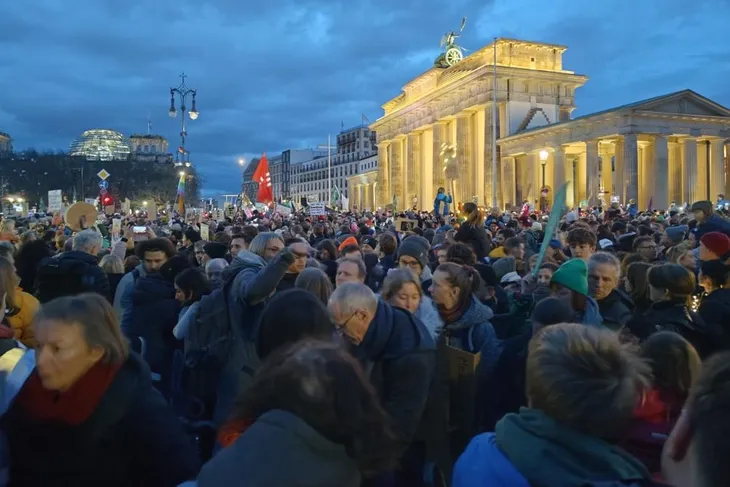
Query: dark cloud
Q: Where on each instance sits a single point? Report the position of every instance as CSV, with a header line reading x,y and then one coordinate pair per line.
x,y
285,73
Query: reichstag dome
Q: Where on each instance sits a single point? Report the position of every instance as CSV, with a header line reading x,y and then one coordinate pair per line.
x,y
101,145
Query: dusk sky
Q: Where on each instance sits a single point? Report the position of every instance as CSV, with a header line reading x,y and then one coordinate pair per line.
x,y
285,73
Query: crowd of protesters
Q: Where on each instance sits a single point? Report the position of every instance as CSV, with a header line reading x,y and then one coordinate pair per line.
x,y
368,349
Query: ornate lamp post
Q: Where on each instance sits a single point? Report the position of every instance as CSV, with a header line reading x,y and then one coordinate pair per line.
x,y
182,91
543,190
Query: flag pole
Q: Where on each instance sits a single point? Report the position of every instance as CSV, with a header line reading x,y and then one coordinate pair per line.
x,y
329,169
494,127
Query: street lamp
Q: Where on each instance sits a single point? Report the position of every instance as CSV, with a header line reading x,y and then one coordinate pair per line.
x,y
543,161
182,174
182,91
144,203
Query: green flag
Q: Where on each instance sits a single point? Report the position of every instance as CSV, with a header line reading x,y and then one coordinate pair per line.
x,y
555,213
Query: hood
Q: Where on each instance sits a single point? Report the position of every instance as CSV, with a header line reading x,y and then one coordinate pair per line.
x,y
244,259
429,316
592,315
392,333
79,255
153,287
477,314
549,454
426,275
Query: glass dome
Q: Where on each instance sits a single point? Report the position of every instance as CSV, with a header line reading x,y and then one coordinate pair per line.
x,y
101,145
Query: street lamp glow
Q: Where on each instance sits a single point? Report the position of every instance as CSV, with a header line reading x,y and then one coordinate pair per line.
x,y
172,113
544,156
241,162
144,203
20,200
11,199
188,163
182,173
193,114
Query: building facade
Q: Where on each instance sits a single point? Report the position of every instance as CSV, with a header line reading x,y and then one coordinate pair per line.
x,y
440,132
101,145
670,148
276,171
149,148
355,151
362,186
281,175
6,143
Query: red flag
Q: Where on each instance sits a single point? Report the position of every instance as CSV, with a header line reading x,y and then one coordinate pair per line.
x,y
263,177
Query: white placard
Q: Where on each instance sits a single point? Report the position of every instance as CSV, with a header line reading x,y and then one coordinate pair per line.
x,y
316,209
55,200
204,231
116,226
284,210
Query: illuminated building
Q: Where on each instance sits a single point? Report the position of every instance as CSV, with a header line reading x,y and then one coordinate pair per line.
x,y
149,147
6,145
101,145
662,149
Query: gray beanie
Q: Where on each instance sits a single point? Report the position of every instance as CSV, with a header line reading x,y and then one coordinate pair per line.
x,y
504,266
677,234
416,247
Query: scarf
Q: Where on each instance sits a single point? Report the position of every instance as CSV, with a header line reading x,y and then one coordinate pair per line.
x,y
71,407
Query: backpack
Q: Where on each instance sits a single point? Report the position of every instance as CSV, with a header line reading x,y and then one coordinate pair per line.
x,y
210,340
62,277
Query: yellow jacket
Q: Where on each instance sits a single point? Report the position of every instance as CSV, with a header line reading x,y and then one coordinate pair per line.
x,y
20,321
497,253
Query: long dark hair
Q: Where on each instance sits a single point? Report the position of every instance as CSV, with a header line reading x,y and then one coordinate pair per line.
x,y
193,282
325,387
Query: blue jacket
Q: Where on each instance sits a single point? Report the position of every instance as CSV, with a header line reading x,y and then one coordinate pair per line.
x,y
441,198
715,223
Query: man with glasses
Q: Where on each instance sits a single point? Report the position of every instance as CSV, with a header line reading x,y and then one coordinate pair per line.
x,y
301,250
413,256
646,248
399,356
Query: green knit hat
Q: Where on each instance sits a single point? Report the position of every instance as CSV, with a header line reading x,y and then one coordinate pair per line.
x,y
573,275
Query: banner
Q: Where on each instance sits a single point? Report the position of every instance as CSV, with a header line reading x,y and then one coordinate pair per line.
x,y
317,209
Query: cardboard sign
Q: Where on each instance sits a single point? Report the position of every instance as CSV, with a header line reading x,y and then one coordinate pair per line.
x,y
463,385
55,200
405,224
317,209
116,226
205,232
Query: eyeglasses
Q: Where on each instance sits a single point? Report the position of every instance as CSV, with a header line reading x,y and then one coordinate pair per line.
x,y
414,264
343,325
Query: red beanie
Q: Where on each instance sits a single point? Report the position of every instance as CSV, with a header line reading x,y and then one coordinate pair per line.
x,y
348,241
716,242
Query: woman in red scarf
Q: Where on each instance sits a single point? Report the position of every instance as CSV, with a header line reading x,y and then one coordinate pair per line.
x,y
88,414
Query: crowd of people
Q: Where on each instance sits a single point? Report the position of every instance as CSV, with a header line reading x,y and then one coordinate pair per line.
x,y
351,350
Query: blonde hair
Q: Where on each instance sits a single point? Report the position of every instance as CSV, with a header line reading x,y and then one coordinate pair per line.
x,y
314,280
8,283
93,313
112,264
395,280
583,378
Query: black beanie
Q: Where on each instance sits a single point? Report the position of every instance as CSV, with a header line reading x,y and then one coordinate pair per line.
x,y
192,235
416,247
174,266
215,250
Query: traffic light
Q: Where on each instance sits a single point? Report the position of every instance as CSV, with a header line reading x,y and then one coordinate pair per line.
x,y
107,200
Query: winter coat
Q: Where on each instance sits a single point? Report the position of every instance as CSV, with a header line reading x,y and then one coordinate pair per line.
x,y
616,310
89,276
123,295
591,315
506,387
154,314
715,223
473,333
253,282
675,316
400,355
303,457
114,280
444,198
530,448
429,315
715,311
131,438
476,237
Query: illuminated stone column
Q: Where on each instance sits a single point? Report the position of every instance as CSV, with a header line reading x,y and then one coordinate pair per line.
x,y
427,195
619,181
383,173
717,167
593,185
660,175
509,190
631,167
674,161
606,150
490,184
414,167
480,163
395,185
645,186
689,170
532,169
403,199
558,157
702,158
439,137
465,153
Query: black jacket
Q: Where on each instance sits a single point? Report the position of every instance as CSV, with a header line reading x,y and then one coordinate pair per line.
x,y
132,438
400,355
676,317
616,310
69,274
715,311
476,237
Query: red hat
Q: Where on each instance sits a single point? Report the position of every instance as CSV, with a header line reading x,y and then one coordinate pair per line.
x,y
348,241
718,243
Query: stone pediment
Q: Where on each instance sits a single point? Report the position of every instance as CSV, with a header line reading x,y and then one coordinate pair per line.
x,y
685,102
